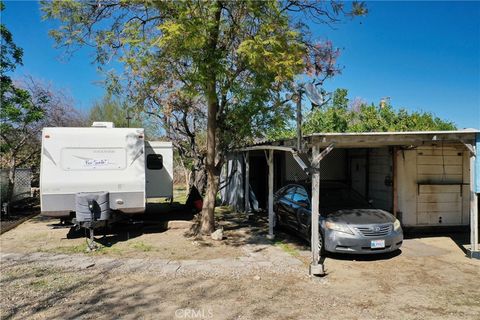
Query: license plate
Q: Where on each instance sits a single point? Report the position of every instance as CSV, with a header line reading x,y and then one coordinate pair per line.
x,y
376,244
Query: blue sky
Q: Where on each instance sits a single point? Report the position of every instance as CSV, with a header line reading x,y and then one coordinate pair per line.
x,y
423,55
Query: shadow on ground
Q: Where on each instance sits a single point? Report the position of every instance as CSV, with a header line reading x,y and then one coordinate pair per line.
x,y
154,220
131,297
459,235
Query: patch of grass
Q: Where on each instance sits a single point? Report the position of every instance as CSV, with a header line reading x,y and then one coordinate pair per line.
x,y
109,250
39,284
80,248
288,248
223,210
83,248
180,195
180,187
142,246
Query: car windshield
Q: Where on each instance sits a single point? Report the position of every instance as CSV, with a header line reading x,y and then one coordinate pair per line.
x,y
341,197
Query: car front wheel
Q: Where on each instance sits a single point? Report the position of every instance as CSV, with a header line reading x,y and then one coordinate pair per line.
x,y
321,242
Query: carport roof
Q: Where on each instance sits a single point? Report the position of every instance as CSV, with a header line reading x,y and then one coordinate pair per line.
x,y
413,138
378,139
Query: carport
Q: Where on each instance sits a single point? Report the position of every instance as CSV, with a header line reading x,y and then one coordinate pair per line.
x,y
426,179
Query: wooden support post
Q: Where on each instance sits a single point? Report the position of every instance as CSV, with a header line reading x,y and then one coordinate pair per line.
x,y
271,216
316,268
247,182
474,249
395,182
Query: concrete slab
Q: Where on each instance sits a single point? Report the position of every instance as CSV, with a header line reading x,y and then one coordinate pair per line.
x,y
418,248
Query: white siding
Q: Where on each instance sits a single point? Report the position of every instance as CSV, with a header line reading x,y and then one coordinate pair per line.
x,y
431,186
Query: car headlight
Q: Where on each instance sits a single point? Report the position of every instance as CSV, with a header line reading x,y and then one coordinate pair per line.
x,y
396,225
338,227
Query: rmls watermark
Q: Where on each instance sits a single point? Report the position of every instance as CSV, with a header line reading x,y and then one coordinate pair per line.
x,y
191,313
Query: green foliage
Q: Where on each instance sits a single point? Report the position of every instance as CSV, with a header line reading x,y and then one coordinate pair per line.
x,y
326,120
11,55
18,112
113,110
234,57
337,117
255,54
17,109
340,99
237,55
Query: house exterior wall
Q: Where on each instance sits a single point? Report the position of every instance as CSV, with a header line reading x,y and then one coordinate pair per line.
x,y
433,186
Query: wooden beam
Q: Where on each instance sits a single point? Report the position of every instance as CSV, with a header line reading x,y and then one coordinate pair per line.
x,y
271,215
323,154
268,147
469,146
474,249
395,181
293,151
316,268
300,162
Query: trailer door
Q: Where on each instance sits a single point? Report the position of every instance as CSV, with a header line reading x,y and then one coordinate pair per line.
x,y
159,169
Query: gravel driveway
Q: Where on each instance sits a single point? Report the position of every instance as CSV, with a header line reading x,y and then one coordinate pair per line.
x,y
45,276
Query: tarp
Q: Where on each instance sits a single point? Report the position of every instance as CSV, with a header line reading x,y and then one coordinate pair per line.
x,y
232,182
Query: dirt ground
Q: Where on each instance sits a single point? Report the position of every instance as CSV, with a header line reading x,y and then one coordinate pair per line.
x,y
429,279
19,212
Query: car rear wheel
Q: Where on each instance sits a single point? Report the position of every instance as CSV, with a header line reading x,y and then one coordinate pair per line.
x,y
276,222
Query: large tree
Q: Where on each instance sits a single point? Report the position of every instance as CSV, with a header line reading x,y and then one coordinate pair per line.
x,y
18,110
236,57
21,132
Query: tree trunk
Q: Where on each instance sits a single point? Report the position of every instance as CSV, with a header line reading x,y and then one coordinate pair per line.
x,y
201,181
198,177
208,210
11,181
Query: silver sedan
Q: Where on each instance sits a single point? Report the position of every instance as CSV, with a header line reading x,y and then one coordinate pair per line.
x,y
348,223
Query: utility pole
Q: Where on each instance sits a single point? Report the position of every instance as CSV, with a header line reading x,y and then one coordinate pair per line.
x,y
128,118
299,119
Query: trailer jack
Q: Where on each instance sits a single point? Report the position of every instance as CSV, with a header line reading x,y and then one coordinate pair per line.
x,y
92,246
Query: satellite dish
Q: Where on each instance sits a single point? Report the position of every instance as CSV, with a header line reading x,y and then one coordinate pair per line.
x,y
295,86
314,95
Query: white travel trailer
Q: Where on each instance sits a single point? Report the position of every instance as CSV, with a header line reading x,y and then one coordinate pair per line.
x,y
90,173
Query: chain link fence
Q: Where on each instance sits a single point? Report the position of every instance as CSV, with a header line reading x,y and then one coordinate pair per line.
x,y
23,184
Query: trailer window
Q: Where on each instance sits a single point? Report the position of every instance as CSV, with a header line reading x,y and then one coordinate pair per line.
x,y
155,162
